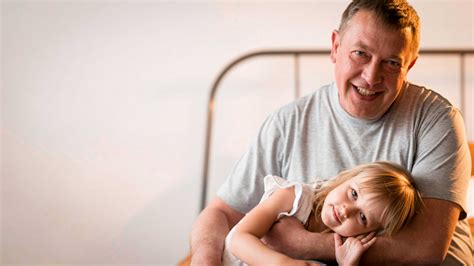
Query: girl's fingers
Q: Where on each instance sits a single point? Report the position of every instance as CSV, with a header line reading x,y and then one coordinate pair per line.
x,y
337,240
367,237
369,243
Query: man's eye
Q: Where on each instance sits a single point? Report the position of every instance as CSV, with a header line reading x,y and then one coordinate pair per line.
x,y
359,56
354,194
358,53
392,66
393,63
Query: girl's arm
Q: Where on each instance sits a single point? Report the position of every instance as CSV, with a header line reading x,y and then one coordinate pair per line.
x,y
246,243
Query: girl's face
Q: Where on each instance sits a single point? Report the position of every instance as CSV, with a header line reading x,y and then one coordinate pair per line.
x,y
349,211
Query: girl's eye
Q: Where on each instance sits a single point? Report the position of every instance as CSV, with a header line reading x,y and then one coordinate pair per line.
x,y
363,218
354,194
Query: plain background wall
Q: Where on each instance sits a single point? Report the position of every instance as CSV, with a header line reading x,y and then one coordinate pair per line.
x,y
103,112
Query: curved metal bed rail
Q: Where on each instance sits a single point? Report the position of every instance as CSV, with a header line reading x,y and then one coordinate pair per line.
x,y
296,53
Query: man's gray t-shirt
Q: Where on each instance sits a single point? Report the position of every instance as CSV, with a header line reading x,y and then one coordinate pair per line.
x,y
315,137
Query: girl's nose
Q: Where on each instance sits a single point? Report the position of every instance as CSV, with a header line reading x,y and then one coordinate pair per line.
x,y
348,211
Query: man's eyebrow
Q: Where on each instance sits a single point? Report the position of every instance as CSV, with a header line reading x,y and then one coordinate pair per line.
x,y
396,57
366,47
362,45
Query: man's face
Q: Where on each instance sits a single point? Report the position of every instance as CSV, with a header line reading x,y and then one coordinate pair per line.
x,y
371,63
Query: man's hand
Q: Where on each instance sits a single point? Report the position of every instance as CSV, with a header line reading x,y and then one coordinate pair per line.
x,y
348,252
285,237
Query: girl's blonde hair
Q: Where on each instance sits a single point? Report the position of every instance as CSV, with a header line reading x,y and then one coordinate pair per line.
x,y
386,182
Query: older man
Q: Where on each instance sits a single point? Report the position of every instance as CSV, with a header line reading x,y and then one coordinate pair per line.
x,y
371,112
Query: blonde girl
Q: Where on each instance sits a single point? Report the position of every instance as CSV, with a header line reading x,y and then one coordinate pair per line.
x,y
370,199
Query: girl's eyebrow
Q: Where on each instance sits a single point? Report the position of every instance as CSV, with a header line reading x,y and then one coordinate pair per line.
x,y
368,215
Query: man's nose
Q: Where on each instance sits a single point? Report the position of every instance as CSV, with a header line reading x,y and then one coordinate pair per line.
x,y
372,73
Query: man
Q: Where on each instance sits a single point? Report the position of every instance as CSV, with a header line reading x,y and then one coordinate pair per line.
x,y
370,113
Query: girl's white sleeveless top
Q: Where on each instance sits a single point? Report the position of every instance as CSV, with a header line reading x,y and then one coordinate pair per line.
x,y
301,209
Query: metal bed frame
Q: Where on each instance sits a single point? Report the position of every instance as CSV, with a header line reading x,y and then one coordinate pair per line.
x,y
296,54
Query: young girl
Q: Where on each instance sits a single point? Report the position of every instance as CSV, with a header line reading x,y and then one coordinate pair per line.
x,y
370,199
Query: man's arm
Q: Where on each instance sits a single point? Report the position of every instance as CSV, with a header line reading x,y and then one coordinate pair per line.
x,y
424,241
209,232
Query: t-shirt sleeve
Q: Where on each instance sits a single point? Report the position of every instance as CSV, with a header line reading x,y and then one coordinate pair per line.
x,y
442,166
244,186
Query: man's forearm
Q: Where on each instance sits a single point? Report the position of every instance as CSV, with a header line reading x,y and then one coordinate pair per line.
x,y
403,250
320,246
389,251
209,232
424,241
386,251
208,236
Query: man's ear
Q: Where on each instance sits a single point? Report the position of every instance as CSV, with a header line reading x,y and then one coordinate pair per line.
x,y
412,62
335,38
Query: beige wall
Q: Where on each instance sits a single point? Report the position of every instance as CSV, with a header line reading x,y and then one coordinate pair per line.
x,y
103,112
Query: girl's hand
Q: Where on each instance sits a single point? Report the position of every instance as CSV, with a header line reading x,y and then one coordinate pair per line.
x,y
348,252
